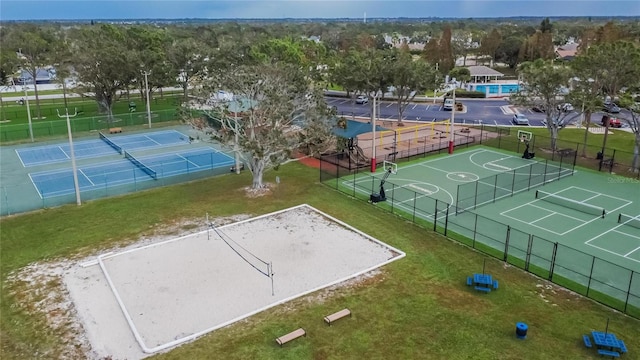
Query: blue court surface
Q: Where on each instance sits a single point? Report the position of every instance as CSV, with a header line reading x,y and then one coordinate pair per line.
x,y
120,172
48,154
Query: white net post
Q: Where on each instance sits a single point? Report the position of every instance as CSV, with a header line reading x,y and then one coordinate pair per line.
x,y
271,276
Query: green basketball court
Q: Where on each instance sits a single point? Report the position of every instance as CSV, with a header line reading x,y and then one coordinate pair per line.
x,y
549,215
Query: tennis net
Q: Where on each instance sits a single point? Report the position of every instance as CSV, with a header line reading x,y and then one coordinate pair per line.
x,y
142,166
629,220
570,203
111,143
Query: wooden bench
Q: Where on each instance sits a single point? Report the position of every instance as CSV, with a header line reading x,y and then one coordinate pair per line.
x,y
482,288
115,130
587,341
337,316
609,353
291,336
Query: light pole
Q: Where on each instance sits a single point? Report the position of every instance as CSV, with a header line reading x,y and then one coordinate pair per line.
x,y
453,117
373,130
26,98
146,86
73,155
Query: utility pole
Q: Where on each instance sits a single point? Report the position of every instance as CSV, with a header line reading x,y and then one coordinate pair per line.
x,y
73,155
146,86
26,98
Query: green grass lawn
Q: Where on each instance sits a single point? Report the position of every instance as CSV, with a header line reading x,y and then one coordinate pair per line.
x,y
620,140
415,308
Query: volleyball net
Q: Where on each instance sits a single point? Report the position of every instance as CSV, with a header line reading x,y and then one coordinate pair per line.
x,y
262,266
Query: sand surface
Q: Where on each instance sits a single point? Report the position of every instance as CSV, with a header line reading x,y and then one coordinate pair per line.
x,y
176,290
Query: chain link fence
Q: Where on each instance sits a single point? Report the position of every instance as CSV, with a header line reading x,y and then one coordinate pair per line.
x,y
603,281
17,132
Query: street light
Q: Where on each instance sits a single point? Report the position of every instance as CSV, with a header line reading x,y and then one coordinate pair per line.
x,y
73,156
26,98
453,116
146,86
373,130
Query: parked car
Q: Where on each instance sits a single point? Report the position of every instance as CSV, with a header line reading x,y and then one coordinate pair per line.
x,y
520,119
566,107
613,122
611,108
537,108
561,124
362,99
448,104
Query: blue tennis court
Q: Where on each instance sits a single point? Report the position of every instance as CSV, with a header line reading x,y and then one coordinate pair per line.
x,y
120,172
48,154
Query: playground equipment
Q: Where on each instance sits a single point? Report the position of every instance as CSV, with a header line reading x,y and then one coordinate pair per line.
x,y
356,154
413,132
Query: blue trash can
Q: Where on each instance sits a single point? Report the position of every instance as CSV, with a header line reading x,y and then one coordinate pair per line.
x,y
521,330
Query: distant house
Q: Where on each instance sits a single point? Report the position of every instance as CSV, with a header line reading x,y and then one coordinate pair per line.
x,y
43,76
567,51
483,74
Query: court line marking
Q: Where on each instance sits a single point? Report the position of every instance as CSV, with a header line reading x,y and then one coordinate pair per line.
x,y
146,136
544,228
600,194
527,162
631,252
188,161
542,218
626,234
401,203
469,153
86,177
528,188
613,252
64,152
35,186
20,158
532,203
559,213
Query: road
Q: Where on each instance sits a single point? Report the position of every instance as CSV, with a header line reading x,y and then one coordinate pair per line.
x,y
476,111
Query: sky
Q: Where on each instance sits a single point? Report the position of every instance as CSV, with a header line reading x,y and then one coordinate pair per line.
x,y
218,9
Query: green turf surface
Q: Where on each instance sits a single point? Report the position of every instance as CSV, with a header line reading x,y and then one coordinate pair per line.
x,y
495,195
416,308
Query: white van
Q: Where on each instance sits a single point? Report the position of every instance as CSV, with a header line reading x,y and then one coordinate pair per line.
x,y
448,104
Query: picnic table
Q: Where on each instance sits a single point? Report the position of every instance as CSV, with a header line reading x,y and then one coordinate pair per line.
x,y
607,343
482,282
